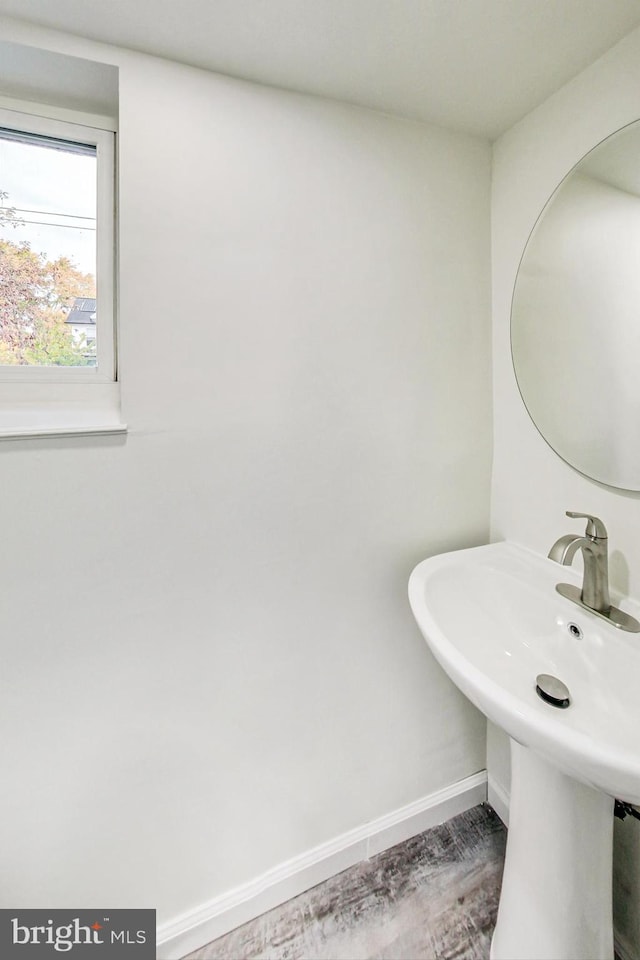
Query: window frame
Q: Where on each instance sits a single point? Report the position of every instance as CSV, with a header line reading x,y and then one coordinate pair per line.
x,y
105,370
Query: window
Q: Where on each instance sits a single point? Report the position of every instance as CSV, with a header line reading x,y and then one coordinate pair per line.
x,y
56,250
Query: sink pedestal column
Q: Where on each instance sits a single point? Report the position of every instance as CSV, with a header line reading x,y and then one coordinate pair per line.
x,y
556,890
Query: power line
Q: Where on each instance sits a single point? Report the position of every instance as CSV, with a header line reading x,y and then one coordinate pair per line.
x,y
43,223
49,213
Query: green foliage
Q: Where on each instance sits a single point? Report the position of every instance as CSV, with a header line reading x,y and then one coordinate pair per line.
x,y
36,295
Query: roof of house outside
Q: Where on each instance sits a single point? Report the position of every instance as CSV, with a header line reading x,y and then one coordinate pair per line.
x,y
82,311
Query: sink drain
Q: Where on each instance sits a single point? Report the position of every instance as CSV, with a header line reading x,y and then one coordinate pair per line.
x,y
552,691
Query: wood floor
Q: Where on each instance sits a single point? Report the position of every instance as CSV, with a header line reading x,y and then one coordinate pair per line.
x,y
434,897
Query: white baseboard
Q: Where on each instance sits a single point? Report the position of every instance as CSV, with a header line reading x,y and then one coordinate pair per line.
x,y
287,880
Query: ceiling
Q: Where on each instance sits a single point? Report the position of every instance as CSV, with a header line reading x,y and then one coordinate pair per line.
x,y
473,65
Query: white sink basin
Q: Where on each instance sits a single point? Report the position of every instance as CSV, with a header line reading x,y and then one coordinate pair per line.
x,y
493,620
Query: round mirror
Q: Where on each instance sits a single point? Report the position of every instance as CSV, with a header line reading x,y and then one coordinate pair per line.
x,y
575,317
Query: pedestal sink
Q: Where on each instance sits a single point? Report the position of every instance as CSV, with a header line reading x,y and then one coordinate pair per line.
x,y
493,620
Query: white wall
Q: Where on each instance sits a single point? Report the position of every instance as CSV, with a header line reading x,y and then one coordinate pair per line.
x,y
532,487
209,664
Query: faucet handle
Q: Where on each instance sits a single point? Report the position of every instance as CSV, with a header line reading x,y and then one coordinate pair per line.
x,y
595,527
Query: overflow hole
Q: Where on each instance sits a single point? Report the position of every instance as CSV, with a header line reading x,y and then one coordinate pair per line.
x,y
575,631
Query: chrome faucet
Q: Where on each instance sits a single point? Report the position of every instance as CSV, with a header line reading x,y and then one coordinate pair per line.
x,y
594,595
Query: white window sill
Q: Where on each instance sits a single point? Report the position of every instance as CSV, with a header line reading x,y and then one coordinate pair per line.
x,y
38,433
41,410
